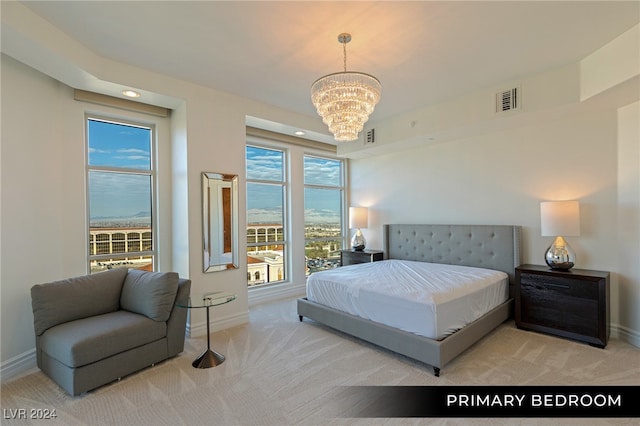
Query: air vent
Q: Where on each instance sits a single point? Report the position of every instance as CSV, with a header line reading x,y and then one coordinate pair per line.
x,y
371,136
507,100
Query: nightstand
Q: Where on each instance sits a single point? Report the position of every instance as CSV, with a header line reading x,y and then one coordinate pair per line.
x,y
351,257
572,304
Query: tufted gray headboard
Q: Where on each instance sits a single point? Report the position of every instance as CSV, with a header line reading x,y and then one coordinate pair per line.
x,y
483,246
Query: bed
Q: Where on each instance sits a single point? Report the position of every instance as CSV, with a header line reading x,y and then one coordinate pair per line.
x,y
490,247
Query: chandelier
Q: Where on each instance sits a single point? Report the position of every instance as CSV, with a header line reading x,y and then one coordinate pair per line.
x,y
345,100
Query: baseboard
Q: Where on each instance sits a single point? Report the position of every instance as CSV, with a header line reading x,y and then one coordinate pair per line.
x,y
217,324
18,365
256,296
276,292
625,334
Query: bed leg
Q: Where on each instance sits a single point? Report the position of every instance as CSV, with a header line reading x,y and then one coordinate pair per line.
x,y
436,371
300,317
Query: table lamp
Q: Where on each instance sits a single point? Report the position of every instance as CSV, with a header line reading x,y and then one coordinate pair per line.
x,y
358,218
560,219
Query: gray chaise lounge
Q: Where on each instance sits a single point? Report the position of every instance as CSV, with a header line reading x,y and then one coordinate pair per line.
x,y
94,329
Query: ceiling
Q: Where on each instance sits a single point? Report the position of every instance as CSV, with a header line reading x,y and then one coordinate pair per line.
x,y
423,52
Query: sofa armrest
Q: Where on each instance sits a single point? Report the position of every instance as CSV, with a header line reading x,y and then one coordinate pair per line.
x,y
177,322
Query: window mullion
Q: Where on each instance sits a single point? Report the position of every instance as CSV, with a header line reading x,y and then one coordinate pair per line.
x,y
120,170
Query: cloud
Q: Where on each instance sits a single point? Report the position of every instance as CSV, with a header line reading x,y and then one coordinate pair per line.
x,y
118,194
258,215
321,216
322,171
98,151
141,152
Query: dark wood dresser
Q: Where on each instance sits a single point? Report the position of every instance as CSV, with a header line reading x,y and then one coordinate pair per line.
x,y
572,304
351,257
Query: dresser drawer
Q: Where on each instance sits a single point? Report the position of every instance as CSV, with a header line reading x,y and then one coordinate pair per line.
x,y
352,257
559,285
354,260
559,307
569,304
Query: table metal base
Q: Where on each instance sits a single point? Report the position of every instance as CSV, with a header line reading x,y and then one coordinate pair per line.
x,y
208,359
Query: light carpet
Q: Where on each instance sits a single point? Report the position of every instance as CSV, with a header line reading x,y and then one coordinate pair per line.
x,y
279,371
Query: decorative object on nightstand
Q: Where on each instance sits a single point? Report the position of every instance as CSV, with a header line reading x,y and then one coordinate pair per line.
x,y
572,304
353,257
358,218
560,219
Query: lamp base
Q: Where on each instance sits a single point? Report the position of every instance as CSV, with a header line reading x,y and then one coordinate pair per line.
x,y
560,256
358,242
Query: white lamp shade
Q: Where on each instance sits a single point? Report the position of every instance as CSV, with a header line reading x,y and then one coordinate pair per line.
x,y
358,217
560,218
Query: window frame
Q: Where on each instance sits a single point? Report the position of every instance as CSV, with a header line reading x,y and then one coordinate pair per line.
x,y
286,240
296,149
341,188
151,172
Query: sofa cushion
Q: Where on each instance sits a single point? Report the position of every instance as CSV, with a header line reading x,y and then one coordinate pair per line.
x,y
149,293
92,339
75,298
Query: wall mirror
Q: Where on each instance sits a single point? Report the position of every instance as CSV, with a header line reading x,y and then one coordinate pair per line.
x,y
220,221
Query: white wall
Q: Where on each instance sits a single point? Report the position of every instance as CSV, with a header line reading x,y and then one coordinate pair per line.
x,y
43,193
628,244
501,177
576,135
36,248
43,211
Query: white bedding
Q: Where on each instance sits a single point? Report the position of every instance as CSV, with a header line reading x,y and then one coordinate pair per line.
x,y
429,299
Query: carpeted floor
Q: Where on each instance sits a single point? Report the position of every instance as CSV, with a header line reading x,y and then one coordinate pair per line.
x,y
279,371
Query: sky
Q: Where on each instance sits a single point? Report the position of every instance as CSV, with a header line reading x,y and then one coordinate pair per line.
x,y
119,195
127,194
264,198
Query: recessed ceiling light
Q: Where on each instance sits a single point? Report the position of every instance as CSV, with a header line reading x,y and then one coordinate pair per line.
x,y
131,93
299,133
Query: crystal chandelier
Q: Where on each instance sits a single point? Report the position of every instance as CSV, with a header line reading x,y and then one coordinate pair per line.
x,y
345,100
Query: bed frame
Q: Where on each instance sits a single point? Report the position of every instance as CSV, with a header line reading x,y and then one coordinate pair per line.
x,y
485,246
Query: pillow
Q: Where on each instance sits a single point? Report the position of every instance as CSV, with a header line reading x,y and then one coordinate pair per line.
x,y
149,293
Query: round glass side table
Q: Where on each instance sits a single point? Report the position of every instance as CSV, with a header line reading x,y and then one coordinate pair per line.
x,y
209,357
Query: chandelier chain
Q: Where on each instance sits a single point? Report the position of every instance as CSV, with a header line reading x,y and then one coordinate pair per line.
x,y
344,49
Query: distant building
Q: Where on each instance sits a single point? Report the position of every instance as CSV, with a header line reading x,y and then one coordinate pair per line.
x,y
265,267
265,262
264,234
125,243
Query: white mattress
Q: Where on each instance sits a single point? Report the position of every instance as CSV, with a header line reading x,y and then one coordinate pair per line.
x,y
429,299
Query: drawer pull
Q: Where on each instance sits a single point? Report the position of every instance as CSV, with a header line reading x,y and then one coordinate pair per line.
x,y
564,286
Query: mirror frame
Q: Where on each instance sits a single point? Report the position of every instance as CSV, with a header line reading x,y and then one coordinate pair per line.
x,y
219,228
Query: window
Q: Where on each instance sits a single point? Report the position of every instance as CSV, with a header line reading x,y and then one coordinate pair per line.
x,y
266,195
120,191
323,212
